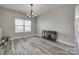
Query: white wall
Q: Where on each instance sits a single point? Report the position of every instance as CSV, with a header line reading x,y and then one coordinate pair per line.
x,y
8,25
0,35
76,29
77,11
60,20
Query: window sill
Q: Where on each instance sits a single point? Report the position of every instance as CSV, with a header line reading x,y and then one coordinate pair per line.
x,y
21,32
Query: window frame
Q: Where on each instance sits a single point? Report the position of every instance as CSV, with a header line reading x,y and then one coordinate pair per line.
x,y
24,31
28,26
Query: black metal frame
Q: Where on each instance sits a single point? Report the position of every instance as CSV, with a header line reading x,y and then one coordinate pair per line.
x,y
48,35
4,40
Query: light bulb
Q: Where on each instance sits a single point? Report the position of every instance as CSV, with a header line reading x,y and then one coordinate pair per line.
x,y
27,14
35,15
32,13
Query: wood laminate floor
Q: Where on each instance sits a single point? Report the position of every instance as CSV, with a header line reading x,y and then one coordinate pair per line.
x,y
35,46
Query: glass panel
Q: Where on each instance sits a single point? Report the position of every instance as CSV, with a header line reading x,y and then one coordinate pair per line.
x,y
18,28
28,29
28,22
19,21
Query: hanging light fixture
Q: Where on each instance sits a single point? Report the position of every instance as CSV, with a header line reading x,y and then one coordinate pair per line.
x,y
31,15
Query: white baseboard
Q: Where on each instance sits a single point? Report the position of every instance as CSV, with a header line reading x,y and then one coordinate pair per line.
x,y
70,44
38,35
22,37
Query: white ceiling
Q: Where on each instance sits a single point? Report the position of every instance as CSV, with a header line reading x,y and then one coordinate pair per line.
x,y
38,9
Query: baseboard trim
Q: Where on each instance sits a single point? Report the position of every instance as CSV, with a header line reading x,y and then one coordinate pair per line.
x,y
22,37
38,35
65,43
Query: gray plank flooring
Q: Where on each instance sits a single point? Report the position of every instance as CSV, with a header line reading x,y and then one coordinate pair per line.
x,y
35,46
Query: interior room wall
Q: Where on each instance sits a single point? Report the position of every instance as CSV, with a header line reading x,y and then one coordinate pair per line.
x,y
60,20
76,29
7,23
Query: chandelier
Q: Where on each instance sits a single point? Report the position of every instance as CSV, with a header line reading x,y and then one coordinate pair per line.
x,y
31,15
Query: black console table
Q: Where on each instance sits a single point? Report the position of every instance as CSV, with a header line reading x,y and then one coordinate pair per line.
x,y
50,35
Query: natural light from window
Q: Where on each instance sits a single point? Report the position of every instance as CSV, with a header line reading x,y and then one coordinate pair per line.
x,y
22,25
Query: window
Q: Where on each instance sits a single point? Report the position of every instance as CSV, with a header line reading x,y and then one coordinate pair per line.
x,y
27,26
18,25
22,25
